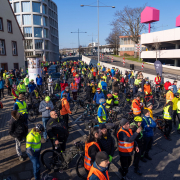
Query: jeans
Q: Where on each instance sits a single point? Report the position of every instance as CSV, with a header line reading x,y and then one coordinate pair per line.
x,y
1,93
50,89
18,147
45,120
168,127
125,163
36,165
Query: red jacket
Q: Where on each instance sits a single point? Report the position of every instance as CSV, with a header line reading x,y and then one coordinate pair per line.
x,y
166,85
157,80
122,80
63,86
94,74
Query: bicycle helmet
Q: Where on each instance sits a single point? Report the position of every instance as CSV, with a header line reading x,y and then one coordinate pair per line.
x,y
32,79
66,88
138,119
170,87
47,98
109,95
102,100
176,94
40,127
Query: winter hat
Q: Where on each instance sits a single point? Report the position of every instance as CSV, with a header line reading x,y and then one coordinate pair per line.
x,y
123,121
101,156
102,126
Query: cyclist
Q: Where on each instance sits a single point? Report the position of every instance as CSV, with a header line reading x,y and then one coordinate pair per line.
x,y
15,93
88,90
149,107
168,115
92,147
66,91
8,85
98,95
175,110
169,94
157,79
136,105
109,102
74,89
116,98
147,89
1,87
50,85
134,126
33,148
31,86
39,83
174,85
166,85
99,169
101,112
26,81
126,146
35,95
129,95
63,84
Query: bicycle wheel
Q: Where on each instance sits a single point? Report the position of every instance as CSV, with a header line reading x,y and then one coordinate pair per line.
x,y
50,159
80,170
31,115
156,104
75,108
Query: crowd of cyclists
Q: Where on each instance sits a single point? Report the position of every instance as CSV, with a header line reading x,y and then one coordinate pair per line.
x,y
105,88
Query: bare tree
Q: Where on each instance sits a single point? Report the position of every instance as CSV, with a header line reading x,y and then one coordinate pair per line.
x,y
128,20
156,45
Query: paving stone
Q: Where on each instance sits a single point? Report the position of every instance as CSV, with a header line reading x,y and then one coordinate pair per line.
x,y
25,175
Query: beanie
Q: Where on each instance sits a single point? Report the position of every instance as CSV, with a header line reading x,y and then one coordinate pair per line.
x,y
123,121
101,156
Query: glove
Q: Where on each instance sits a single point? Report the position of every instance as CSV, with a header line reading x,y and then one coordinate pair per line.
x,y
110,158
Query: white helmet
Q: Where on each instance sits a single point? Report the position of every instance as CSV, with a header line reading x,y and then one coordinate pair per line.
x,y
102,100
170,87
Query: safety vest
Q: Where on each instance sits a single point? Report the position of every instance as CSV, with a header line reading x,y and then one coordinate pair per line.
x,y
26,81
147,121
108,101
36,94
21,88
157,79
166,114
169,96
116,99
33,141
125,147
4,75
99,84
17,93
87,158
103,115
105,77
178,107
74,86
141,133
22,109
135,110
97,173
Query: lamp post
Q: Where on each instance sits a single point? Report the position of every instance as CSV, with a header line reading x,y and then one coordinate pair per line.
x,y
78,40
98,19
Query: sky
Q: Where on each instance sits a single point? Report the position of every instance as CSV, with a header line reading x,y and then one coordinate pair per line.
x,y
71,17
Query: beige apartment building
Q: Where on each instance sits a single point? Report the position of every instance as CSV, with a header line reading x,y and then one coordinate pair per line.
x,y
11,39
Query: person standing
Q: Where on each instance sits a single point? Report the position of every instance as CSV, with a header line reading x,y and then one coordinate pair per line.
x,y
45,107
33,148
1,88
169,94
98,95
101,112
157,79
166,85
148,125
99,169
136,105
21,87
74,89
50,85
7,84
39,82
126,146
174,85
175,109
31,86
18,129
15,93
26,81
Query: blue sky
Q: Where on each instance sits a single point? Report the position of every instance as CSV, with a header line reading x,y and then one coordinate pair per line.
x,y
72,16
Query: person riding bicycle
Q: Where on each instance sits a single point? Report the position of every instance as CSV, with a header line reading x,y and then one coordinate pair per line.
x,y
116,98
136,105
33,148
109,102
101,112
99,169
98,95
57,132
92,147
147,89
134,126
169,94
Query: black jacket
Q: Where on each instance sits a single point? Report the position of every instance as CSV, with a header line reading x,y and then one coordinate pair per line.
x,y
56,130
107,145
18,128
88,91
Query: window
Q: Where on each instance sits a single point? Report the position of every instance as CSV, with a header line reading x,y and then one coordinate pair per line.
x,y
26,7
38,43
37,20
9,26
27,31
18,17
1,24
45,21
44,9
2,47
37,32
45,33
46,45
14,48
16,8
36,7
27,19
28,44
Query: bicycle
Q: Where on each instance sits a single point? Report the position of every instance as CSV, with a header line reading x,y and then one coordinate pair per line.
x,y
160,122
155,102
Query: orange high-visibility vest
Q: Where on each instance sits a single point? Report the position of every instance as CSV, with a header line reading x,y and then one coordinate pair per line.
x,y
74,86
123,146
169,96
97,173
87,158
135,110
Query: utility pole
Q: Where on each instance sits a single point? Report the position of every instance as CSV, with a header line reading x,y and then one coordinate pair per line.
x,y
92,41
78,40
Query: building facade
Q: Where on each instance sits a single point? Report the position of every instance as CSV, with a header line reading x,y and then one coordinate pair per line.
x,y
11,39
38,20
162,45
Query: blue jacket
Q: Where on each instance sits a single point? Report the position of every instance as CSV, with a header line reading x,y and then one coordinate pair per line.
x,y
102,169
148,131
10,81
68,98
112,72
42,108
100,111
174,89
39,81
131,81
104,85
2,84
97,97
104,69
31,87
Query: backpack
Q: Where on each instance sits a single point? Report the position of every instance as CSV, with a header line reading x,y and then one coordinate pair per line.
x,y
59,105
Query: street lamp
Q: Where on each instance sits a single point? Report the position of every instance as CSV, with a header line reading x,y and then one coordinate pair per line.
x,y
82,5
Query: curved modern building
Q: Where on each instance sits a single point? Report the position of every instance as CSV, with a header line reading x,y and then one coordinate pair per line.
x,y
38,20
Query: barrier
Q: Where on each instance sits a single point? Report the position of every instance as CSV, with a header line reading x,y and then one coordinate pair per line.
x,y
123,61
112,59
142,68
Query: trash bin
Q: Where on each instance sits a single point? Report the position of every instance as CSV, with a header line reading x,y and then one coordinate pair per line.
x,y
131,66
